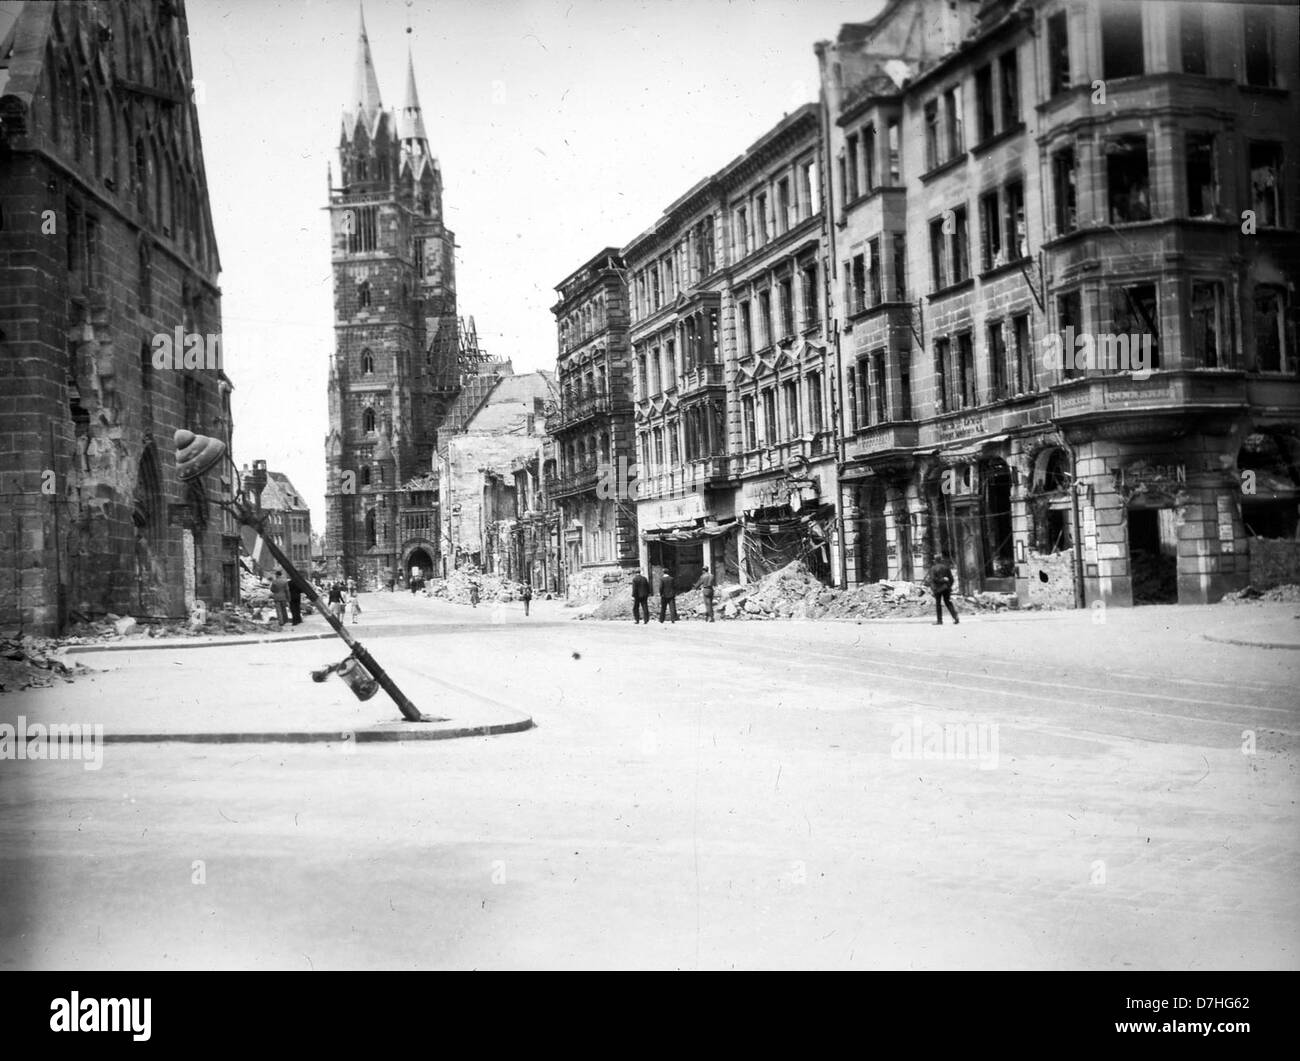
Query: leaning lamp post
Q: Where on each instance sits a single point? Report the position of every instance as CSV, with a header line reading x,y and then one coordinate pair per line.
x,y
199,454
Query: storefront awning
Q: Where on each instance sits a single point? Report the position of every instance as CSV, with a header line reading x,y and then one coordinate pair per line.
x,y
793,523
692,532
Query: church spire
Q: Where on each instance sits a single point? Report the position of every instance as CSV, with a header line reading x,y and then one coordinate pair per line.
x,y
365,85
411,125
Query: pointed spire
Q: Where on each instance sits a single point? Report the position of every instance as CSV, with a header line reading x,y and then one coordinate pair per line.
x,y
365,85
411,125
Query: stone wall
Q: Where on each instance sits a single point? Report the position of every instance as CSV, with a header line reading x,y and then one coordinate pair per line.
x,y
1274,562
1058,589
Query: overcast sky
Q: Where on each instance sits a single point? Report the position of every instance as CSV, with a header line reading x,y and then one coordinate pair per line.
x,y
562,126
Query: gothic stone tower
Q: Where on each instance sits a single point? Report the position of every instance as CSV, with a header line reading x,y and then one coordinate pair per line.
x,y
394,369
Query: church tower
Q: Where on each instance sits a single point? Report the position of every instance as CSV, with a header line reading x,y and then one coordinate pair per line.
x,y
394,367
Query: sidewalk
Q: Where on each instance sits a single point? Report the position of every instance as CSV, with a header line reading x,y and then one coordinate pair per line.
x,y
256,692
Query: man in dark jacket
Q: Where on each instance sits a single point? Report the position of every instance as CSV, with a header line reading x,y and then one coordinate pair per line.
x,y
705,586
667,595
296,590
640,599
940,579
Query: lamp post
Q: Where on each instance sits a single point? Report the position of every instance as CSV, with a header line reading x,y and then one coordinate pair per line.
x,y
197,454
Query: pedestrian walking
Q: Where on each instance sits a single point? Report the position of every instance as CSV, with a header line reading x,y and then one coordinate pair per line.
x,y
473,593
640,599
336,600
354,606
667,596
527,595
940,580
296,590
280,596
705,586
415,580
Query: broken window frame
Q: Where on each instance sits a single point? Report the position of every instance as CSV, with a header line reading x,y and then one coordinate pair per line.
x,y
1205,315
1201,172
900,266
1276,336
1059,75
1259,57
997,358
965,369
1128,179
1069,312
1129,302
1026,365
985,105
1017,230
931,118
1065,190
1009,86
938,263
959,246
1191,40
1266,189
1122,44
940,368
991,230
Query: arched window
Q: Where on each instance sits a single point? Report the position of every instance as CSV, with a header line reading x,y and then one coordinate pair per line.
x,y
362,167
52,91
67,98
367,362
365,475
363,294
371,536
140,176
88,144
145,278
368,420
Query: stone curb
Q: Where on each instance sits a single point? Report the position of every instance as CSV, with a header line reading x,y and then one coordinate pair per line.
x,y
1250,644
153,643
386,733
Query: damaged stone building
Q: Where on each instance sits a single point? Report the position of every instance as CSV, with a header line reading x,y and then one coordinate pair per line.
x,y
733,375
110,320
594,482
498,419
1065,254
396,367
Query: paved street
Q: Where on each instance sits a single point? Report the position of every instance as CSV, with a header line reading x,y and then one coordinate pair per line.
x,y
736,795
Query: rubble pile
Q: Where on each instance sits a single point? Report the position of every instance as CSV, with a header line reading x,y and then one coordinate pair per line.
x,y
1285,594
456,586
32,663
793,592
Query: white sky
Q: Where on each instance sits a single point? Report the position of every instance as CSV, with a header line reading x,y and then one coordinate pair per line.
x,y
562,126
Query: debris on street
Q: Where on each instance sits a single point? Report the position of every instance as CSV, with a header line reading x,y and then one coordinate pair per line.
x,y
33,663
793,592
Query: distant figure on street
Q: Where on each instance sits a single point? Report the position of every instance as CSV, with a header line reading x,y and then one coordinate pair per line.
x,y
667,596
280,596
527,595
940,579
336,600
473,593
354,605
640,599
296,590
415,580
705,586
352,587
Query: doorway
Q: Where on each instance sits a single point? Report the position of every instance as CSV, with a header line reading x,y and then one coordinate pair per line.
x,y
1153,555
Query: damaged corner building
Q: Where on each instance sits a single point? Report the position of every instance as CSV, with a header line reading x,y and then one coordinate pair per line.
x,y
108,266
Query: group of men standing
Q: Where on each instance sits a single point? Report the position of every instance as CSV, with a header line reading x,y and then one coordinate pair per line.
x,y
940,580
668,596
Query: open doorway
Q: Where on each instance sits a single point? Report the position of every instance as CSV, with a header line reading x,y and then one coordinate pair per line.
x,y
1153,555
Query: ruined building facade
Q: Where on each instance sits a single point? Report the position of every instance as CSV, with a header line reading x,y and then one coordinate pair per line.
x,y
1064,238
593,482
106,244
734,379
394,370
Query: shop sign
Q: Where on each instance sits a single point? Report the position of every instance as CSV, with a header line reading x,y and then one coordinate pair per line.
x,y
652,514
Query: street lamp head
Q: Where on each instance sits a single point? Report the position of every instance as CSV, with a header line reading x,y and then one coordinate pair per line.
x,y
196,454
